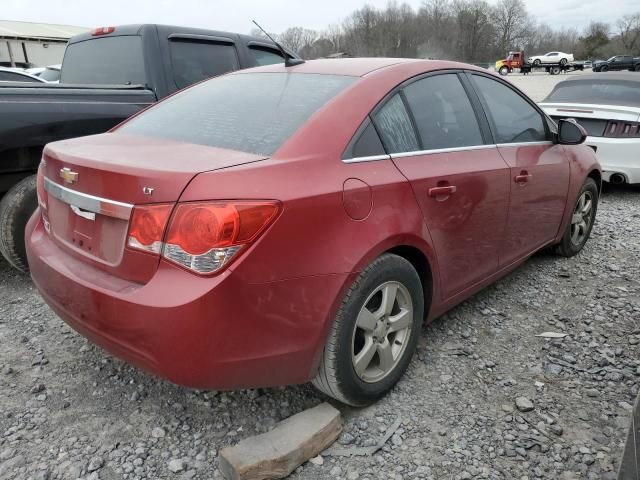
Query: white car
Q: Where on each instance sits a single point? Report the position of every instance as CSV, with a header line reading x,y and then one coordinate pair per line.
x,y
551,57
50,74
607,105
17,75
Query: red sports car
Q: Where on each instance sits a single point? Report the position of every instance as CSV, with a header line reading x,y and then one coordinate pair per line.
x,y
286,224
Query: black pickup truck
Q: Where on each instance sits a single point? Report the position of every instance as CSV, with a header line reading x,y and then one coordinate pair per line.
x,y
619,62
107,75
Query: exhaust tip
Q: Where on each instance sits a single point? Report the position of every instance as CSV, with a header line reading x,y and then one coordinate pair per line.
x,y
617,179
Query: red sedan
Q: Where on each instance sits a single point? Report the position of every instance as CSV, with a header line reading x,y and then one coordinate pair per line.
x,y
286,224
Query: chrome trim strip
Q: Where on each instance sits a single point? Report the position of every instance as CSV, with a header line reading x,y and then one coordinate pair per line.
x,y
372,158
87,202
524,144
441,150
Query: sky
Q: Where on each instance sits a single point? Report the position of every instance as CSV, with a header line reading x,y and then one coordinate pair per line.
x,y
274,15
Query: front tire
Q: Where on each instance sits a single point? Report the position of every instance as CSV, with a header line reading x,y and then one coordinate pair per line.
x,y
16,208
374,334
584,215
604,68
504,70
537,62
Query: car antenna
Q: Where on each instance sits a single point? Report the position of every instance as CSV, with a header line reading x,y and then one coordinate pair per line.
x,y
288,61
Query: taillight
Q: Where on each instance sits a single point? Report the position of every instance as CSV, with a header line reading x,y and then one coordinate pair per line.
x,y
201,236
147,226
102,31
40,191
205,236
622,129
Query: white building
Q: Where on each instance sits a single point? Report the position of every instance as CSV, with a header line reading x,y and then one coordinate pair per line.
x,y
26,44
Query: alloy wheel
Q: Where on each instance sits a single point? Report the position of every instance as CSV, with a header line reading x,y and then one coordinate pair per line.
x,y
382,331
582,218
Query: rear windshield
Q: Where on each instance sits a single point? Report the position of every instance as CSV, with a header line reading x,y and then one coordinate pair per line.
x,y
105,61
610,92
251,112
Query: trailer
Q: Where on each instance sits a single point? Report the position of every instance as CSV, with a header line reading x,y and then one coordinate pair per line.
x,y
514,62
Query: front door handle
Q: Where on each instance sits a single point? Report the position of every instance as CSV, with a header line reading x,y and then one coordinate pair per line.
x,y
440,191
524,177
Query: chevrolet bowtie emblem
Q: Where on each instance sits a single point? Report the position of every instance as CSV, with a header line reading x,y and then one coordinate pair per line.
x,y
68,175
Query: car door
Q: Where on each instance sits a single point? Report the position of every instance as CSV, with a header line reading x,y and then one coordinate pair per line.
x,y
539,178
435,138
552,57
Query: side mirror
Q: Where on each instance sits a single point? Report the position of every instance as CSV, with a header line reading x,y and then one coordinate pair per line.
x,y
570,132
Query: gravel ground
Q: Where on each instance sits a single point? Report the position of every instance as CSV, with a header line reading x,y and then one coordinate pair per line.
x,y
483,398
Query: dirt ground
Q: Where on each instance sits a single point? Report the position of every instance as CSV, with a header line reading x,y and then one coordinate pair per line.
x,y
483,398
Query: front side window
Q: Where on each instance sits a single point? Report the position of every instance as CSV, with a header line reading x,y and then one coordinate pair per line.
x,y
247,112
394,125
513,119
265,56
194,61
15,77
443,113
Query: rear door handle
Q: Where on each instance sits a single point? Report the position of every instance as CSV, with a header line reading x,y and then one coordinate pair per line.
x,y
439,191
524,177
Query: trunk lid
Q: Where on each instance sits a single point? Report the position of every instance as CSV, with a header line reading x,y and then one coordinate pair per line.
x,y
93,183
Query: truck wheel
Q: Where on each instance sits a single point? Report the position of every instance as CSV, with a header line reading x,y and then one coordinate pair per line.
x,y
16,207
637,68
554,70
504,70
604,68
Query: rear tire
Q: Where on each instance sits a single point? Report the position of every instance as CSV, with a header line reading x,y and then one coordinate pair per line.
x,y
583,217
363,325
16,208
563,61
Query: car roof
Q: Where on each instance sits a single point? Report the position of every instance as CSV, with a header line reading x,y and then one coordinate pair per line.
x,y
20,72
356,67
590,77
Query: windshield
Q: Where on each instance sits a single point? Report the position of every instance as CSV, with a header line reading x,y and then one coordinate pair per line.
x,y
251,112
611,59
609,92
105,61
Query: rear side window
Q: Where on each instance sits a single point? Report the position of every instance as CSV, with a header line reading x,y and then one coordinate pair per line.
x,y
265,56
443,113
248,112
15,77
394,124
105,61
513,119
194,61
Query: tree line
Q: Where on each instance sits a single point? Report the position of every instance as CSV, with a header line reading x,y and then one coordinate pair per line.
x,y
466,30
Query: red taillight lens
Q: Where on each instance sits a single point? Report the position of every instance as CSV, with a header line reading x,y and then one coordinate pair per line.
x,y
41,192
205,236
147,226
622,129
102,31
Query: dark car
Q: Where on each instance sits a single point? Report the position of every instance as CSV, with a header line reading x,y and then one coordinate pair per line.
x,y
279,225
107,75
618,62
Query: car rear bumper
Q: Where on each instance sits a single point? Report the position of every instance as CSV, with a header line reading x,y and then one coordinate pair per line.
x,y
617,155
215,333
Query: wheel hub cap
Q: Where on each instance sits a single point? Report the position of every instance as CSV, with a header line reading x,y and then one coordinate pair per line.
x,y
582,218
382,331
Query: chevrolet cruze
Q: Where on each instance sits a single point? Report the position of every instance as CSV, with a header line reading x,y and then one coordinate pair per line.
x,y
286,224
